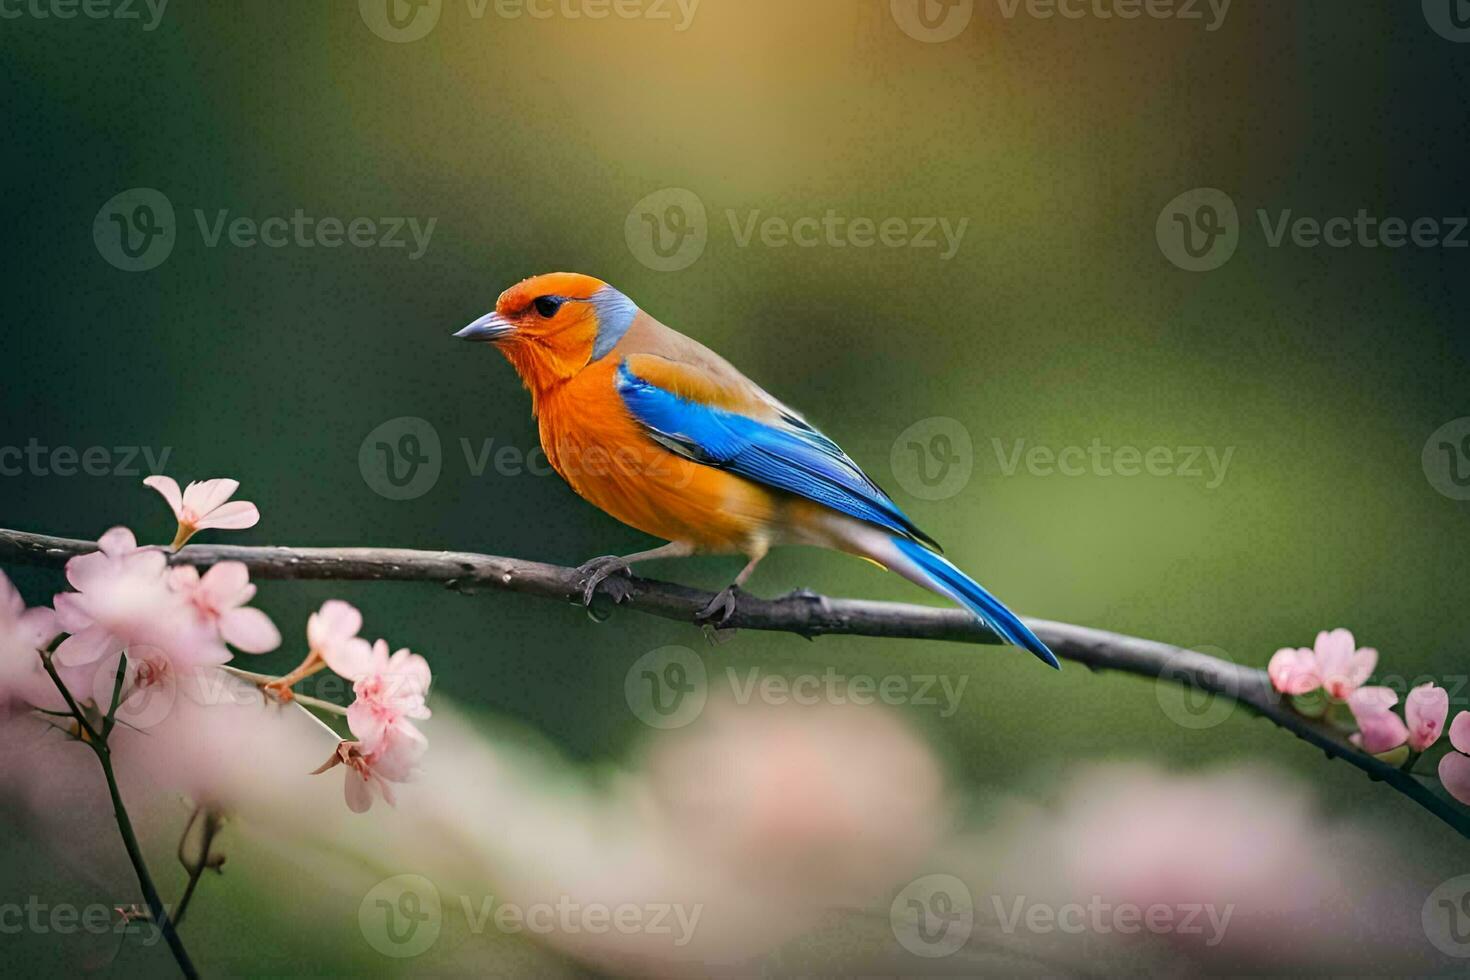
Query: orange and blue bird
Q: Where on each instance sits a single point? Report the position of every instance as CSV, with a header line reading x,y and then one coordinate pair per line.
x,y
665,435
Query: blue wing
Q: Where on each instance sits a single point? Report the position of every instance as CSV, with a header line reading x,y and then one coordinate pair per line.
x,y
790,455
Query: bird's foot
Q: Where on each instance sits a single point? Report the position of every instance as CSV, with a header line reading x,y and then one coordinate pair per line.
x,y
598,571
717,614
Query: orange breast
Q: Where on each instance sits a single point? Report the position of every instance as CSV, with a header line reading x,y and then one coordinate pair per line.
x,y
598,448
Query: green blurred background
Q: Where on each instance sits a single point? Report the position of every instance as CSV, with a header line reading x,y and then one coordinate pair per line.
x,y
1059,321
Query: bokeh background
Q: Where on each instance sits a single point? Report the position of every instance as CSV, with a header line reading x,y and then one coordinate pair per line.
x,y
1059,320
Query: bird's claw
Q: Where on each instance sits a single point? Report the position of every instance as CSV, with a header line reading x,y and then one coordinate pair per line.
x,y
720,609
599,570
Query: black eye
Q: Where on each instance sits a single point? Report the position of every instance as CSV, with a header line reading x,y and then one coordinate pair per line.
x,y
546,306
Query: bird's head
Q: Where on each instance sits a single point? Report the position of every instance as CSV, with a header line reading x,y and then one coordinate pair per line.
x,y
552,326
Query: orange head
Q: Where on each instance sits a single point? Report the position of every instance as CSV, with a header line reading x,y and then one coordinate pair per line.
x,y
552,326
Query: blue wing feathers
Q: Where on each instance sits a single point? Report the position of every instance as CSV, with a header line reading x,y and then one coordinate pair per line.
x,y
793,457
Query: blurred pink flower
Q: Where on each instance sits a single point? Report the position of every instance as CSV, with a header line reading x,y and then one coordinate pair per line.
x,y
822,804
23,634
1294,671
389,689
370,767
219,597
1341,666
1425,710
331,633
1379,729
122,597
1454,768
204,505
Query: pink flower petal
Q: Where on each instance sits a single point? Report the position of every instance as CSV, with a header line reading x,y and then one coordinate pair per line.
x,y
236,515
1454,772
38,627
11,603
1293,671
227,585
117,542
1381,732
250,630
88,646
84,571
1360,666
350,658
206,495
357,792
71,615
183,578
1366,701
1460,731
1425,710
170,489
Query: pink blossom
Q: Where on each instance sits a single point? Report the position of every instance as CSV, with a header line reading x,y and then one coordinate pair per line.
x,y
1379,729
370,767
121,597
388,690
219,598
1294,671
204,505
331,633
1341,666
1425,709
23,634
1454,768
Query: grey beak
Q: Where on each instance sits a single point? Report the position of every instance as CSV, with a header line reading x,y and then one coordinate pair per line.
x,y
491,326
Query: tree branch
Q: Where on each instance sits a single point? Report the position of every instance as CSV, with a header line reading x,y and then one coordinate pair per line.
x,y
805,614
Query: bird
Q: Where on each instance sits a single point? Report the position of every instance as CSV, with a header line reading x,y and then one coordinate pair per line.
x,y
665,435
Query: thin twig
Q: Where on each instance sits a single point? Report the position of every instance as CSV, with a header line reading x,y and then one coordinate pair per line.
x,y
805,614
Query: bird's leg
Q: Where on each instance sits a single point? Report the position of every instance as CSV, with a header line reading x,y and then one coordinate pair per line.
x,y
722,606
597,570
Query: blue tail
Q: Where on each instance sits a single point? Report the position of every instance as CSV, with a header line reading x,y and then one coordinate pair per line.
x,y
948,580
